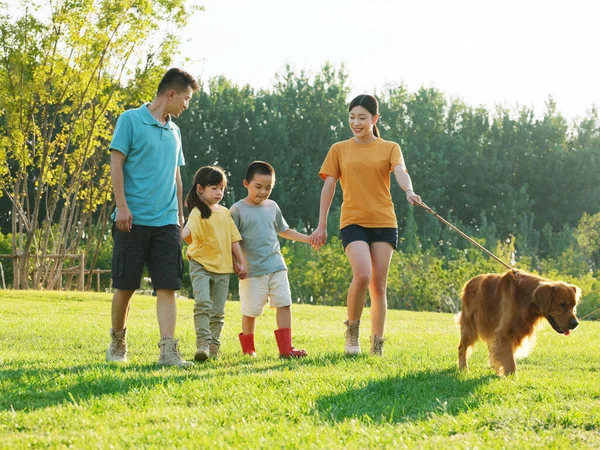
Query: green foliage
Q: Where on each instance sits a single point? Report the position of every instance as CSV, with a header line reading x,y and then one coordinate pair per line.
x,y
61,86
588,238
7,264
492,174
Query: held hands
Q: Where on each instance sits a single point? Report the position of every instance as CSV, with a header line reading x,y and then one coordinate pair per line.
x,y
412,198
318,238
124,219
240,270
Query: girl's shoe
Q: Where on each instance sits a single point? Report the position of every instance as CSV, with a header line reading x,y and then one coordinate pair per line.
x,y
215,350
352,338
247,341
203,349
284,342
377,345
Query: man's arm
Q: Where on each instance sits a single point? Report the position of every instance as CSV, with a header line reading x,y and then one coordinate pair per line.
x,y
124,218
179,196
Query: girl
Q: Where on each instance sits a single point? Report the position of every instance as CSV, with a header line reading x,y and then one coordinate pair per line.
x,y
368,226
214,241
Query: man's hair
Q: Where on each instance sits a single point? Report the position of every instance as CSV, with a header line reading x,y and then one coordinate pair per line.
x,y
177,80
260,167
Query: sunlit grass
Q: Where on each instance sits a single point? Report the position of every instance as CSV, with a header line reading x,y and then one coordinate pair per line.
x,y
57,391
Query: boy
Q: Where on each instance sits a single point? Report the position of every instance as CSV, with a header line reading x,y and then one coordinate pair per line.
x,y
260,222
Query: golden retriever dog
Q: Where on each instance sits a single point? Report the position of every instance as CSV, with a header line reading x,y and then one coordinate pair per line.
x,y
504,310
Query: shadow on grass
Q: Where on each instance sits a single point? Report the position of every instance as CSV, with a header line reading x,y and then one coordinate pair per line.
x,y
409,397
393,399
32,389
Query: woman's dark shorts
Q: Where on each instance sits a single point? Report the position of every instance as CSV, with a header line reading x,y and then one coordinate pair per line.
x,y
353,233
157,247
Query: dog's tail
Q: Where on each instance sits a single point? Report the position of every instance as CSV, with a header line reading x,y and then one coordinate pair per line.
x,y
458,318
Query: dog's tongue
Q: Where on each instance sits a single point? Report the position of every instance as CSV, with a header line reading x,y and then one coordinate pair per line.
x,y
567,332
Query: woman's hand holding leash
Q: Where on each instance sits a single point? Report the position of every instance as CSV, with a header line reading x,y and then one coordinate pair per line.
x,y
412,198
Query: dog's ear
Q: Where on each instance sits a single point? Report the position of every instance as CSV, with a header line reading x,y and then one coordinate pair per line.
x,y
542,296
576,292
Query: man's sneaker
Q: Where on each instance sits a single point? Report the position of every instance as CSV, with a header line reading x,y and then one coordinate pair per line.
x,y
352,338
117,350
377,345
202,349
215,350
169,354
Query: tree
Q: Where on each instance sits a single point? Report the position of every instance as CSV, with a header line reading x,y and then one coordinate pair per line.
x,y
588,238
60,89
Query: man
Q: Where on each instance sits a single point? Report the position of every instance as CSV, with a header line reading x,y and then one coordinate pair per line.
x,y
145,157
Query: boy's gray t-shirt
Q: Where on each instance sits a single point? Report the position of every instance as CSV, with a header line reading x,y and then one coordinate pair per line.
x,y
259,226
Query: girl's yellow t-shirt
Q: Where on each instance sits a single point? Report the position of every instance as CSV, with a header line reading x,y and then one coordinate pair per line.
x,y
364,174
212,239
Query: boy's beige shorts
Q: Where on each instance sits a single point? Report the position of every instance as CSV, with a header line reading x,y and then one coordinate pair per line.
x,y
256,291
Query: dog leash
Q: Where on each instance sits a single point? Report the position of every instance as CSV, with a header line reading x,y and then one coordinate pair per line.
x,y
479,246
472,241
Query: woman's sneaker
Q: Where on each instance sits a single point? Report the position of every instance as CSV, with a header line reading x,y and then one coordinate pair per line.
x,y
352,338
377,345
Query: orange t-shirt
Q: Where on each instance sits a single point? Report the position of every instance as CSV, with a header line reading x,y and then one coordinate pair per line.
x,y
364,174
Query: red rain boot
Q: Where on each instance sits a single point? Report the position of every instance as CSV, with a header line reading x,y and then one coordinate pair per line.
x,y
247,341
284,342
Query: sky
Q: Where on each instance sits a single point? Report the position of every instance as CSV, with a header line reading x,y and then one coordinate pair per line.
x,y
484,52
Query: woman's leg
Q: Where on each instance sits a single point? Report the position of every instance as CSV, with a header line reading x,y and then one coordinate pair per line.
x,y
381,256
359,256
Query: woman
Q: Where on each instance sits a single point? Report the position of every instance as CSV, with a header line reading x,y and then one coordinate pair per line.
x,y
368,226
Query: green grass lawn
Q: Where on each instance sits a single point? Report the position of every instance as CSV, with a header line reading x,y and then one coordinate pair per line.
x,y
56,390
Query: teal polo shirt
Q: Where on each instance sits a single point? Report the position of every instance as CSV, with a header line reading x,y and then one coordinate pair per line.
x,y
153,153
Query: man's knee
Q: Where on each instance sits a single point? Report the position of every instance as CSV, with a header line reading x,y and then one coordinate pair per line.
x,y
123,295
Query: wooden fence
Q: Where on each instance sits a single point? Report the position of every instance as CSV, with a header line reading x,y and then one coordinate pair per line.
x,y
79,272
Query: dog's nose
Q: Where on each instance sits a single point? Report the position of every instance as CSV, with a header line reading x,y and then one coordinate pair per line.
x,y
574,324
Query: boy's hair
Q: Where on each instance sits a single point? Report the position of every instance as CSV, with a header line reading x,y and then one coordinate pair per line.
x,y
368,102
177,80
261,168
205,176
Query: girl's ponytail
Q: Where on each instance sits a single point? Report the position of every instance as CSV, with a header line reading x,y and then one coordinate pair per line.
x,y
193,200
